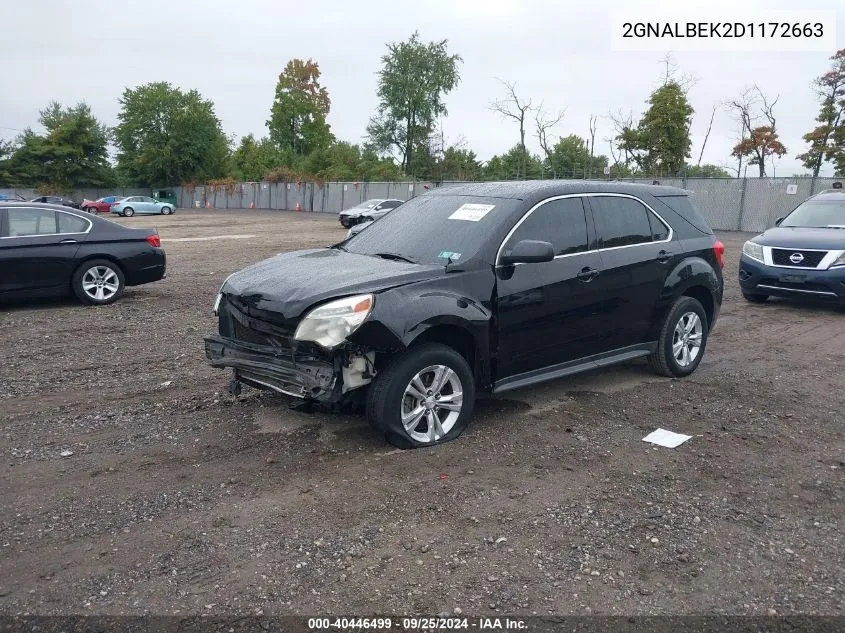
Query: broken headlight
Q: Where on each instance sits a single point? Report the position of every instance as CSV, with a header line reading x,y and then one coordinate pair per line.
x,y
328,325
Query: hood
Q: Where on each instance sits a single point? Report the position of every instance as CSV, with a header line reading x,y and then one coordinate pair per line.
x,y
290,283
355,212
803,237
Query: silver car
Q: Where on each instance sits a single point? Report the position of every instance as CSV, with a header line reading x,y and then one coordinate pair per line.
x,y
367,211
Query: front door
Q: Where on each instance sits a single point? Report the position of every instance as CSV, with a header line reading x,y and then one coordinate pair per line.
x,y
548,313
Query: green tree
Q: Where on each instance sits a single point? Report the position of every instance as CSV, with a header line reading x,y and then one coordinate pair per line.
x,y
827,140
166,136
458,164
73,152
516,164
412,83
706,171
660,143
570,158
252,159
298,115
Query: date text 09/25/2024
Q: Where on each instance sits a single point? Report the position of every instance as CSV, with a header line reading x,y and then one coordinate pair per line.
x,y
415,624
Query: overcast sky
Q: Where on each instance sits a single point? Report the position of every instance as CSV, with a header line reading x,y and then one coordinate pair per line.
x,y
232,52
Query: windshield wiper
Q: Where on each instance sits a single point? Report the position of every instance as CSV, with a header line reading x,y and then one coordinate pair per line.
x,y
835,226
339,246
395,256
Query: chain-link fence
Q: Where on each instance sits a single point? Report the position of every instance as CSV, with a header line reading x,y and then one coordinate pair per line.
x,y
728,204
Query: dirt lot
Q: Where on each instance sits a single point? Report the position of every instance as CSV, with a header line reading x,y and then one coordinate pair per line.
x,y
180,499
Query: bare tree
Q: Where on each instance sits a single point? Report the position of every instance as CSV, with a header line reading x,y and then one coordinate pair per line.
x,y
593,120
545,123
707,136
623,125
512,107
749,108
742,109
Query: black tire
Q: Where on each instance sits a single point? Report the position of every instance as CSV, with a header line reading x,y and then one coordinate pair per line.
x,y
663,360
387,393
166,211
753,297
110,270
128,212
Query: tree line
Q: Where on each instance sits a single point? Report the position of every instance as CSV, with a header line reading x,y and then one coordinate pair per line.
x,y
167,136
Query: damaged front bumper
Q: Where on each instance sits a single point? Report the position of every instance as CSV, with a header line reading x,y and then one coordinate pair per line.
x,y
263,367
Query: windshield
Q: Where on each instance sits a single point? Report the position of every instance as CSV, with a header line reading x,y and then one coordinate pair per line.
x,y
818,214
433,229
369,204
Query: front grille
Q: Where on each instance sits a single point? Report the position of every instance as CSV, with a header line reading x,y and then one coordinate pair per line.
x,y
261,333
811,259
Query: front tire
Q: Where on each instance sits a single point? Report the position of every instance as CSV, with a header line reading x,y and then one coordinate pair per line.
x,y
682,339
753,297
424,397
98,282
128,212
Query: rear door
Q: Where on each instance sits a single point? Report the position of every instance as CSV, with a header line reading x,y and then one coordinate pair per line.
x,y
547,312
636,252
38,248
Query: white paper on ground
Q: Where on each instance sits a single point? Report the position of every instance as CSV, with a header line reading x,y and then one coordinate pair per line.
x,y
662,437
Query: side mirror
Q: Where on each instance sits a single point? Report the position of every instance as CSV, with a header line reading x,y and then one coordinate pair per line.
x,y
528,252
778,221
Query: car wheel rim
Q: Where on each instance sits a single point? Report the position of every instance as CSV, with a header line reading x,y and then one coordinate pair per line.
x,y
431,404
687,339
100,283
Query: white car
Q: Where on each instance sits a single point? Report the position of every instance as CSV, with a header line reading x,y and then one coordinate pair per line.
x,y
367,211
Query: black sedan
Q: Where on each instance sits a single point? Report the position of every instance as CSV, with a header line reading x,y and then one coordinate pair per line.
x,y
64,202
49,250
802,256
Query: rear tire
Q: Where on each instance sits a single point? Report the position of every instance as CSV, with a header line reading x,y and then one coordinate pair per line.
x,y
98,282
685,328
128,212
166,211
444,407
754,297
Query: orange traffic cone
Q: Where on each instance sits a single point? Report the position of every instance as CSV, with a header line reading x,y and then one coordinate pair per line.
x,y
251,205
298,207
208,205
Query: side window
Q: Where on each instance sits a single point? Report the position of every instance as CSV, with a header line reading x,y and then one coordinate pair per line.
x,y
31,222
71,224
659,231
620,221
561,222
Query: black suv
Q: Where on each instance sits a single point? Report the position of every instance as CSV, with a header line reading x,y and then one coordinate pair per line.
x,y
490,287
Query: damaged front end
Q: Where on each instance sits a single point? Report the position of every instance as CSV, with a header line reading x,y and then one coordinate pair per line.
x,y
261,348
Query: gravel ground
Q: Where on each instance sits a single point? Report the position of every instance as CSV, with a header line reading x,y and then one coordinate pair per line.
x,y
133,484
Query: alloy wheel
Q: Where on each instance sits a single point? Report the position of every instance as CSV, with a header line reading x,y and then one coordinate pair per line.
x,y
100,283
431,404
687,339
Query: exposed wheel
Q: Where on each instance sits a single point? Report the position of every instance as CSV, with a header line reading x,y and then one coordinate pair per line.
x,y
166,211
98,282
753,297
128,212
424,397
682,340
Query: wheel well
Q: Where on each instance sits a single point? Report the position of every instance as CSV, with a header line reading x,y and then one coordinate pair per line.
x,y
452,336
704,297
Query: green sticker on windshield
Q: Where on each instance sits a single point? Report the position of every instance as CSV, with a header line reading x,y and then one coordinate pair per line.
x,y
449,255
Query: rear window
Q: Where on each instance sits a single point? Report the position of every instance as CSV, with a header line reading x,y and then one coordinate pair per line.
x,y
683,207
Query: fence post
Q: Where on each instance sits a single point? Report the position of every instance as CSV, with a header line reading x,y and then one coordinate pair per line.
x,y
742,204
813,186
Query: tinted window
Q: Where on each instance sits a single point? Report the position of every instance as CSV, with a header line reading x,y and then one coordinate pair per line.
x,y
620,221
422,229
659,231
561,222
31,222
71,224
684,208
392,204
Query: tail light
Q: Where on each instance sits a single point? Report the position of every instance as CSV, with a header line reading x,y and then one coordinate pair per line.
x,y
154,240
719,250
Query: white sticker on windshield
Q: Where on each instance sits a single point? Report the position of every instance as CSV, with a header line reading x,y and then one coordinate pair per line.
x,y
472,212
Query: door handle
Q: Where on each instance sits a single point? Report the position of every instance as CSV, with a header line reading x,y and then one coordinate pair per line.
x,y
587,274
68,241
663,256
